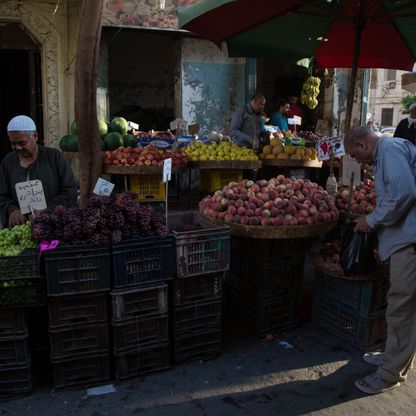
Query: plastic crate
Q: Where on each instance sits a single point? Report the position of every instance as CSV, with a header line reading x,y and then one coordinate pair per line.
x,y
15,381
78,309
365,297
82,371
78,340
212,180
205,250
197,347
139,303
363,333
14,352
197,289
20,281
137,332
198,317
148,187
279,315
12,322
142,261
142,360
77,269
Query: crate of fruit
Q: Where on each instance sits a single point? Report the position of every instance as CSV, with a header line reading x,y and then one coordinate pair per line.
x,y
12,322
142,261
77,269
200,246
15,381
148,187
20,281
211,180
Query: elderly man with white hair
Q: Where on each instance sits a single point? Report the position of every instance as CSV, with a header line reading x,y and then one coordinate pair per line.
x,y
406,129
30,161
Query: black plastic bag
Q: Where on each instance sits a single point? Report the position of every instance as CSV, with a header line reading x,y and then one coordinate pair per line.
x,y
357,251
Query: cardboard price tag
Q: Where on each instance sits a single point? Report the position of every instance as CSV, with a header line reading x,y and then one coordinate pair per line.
x,y
350,167
167,170
31,196
103,187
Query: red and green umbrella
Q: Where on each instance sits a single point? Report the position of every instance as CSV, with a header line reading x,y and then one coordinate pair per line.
x,y
336,33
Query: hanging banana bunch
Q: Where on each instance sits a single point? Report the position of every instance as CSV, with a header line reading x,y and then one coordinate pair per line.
x,y
310,92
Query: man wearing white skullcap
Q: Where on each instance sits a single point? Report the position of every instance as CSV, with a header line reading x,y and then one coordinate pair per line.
x,y
29,161
406,129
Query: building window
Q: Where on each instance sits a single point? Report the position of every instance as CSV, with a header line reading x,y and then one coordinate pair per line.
x,y
391,75
386,117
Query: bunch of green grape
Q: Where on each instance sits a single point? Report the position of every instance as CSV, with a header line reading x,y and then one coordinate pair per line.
x,y
15,240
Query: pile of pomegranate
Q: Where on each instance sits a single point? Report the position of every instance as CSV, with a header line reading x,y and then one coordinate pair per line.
x,y
276,202
143,156
363,199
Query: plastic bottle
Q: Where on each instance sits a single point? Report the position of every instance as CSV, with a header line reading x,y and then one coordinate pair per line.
x,y
331,184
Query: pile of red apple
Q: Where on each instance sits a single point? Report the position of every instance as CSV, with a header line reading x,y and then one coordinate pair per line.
x,y
143,156
363,200
329,251
279,201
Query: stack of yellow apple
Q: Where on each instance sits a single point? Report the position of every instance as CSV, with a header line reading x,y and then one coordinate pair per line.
x,y
278,150
222,151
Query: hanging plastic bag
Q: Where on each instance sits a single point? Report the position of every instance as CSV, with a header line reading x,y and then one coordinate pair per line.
x,y
357,251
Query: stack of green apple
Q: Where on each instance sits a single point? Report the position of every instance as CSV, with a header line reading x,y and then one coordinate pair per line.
x,y
14,241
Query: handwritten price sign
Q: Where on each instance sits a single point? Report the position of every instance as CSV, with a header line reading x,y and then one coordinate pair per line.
x,y
30,196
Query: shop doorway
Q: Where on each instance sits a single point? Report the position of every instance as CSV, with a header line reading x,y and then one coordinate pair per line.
x,y
20,80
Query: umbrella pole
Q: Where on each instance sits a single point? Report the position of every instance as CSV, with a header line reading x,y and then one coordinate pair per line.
x,y
359,24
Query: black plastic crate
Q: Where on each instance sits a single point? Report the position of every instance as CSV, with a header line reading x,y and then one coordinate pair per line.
x,y
198,317
200,251
78,309
279,315
15,381
77,269
142,261
204,287
197,347
365,297
139,303
20,281
12,322
78,340
137,332
14,352
364,333
142,360
268,253
82,371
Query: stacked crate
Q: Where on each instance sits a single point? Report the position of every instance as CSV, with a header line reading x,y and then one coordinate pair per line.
x,y
78,280
202,259
139,301
352,308
265,282
20,286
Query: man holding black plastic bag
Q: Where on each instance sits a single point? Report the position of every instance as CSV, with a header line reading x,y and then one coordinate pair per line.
x,y
394,219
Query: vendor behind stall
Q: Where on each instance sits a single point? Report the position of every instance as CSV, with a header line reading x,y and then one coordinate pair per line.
x,y
279,118
295,109
29,161
247,123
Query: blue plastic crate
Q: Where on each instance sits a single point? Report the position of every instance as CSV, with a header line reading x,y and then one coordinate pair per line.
x,y
142,261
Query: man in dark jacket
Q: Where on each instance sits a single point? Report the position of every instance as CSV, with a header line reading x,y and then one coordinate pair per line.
x,y
406,129
29,161
246,123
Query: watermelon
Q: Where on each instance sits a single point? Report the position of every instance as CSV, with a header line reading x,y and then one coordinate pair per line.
x,y
69,143
113,140
129,140
102,127
73,128
119,125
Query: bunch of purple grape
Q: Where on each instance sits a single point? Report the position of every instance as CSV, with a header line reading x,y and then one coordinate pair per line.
x,y
308,135
101,220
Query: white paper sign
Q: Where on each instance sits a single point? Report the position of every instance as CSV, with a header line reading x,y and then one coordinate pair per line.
x,y
103,187
30,196
334,145
132,125
167,170
349,166
297,120
322,128
178,123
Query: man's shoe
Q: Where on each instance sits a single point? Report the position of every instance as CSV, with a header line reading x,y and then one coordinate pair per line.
x,y
374,384
374,358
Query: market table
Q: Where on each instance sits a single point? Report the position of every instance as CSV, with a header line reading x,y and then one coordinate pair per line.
x,y
292,163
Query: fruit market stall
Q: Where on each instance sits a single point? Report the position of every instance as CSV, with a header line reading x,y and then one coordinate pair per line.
x,y
271,224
